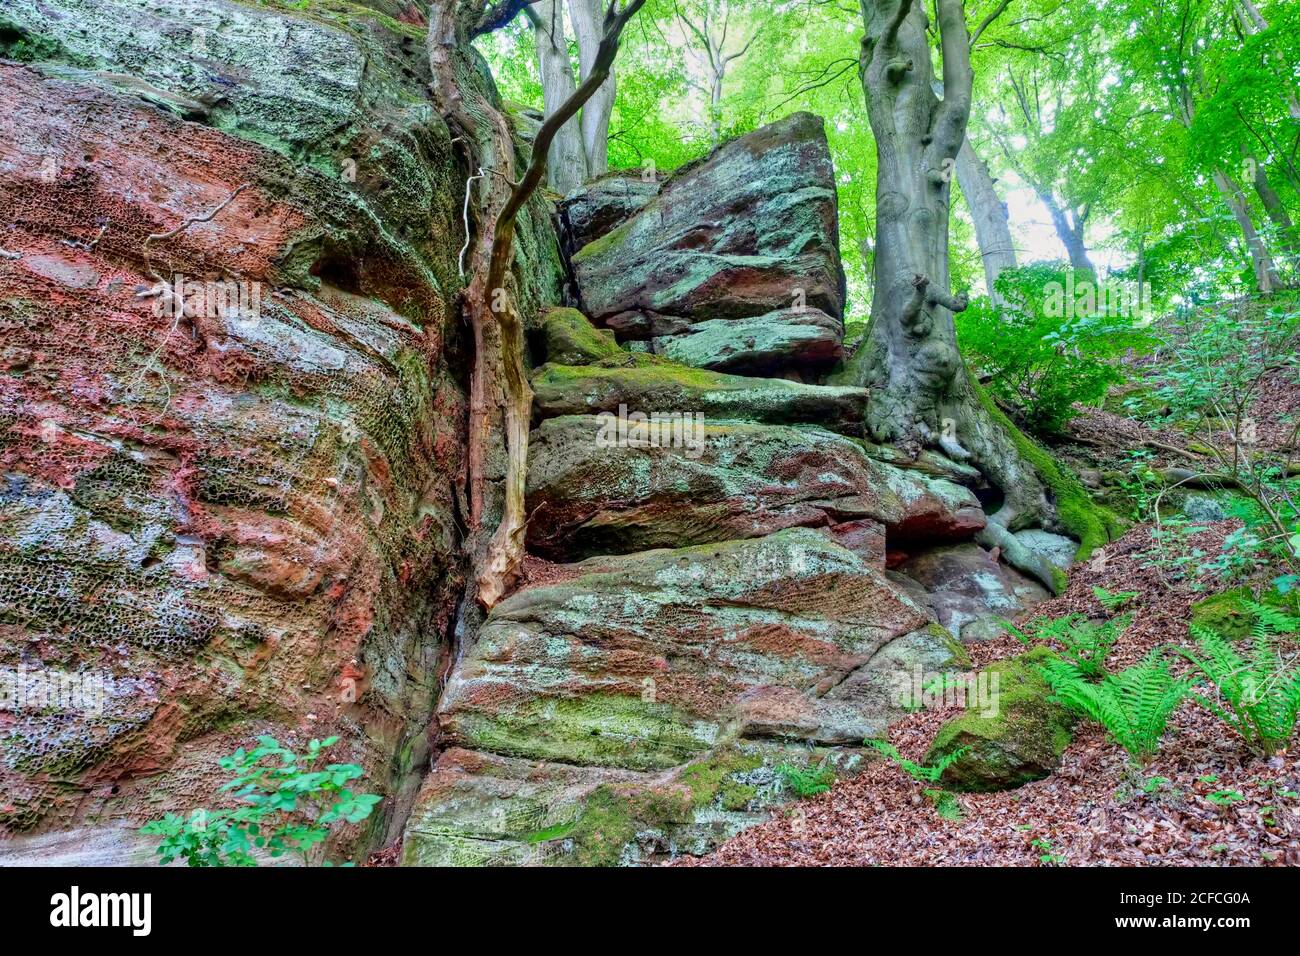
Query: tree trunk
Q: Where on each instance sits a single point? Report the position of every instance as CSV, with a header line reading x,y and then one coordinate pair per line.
x,y
500,395
1070,228
992,226
567,159
921,393
1252,23
586,17
1266,279
715,103
1276,210
490,149
487,300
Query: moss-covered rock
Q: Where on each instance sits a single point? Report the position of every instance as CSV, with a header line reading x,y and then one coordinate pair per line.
x,y
251,526
605,203
678,483
969,589
480,809
1226,614
799,339
1021,741
748,229
650,384
569,339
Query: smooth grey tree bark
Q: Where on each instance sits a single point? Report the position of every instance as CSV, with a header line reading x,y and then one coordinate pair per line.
x,y
1266,278
586,16
567,160
712,37
910,357
1234,197
989,212
1069,225
1068,221
921,393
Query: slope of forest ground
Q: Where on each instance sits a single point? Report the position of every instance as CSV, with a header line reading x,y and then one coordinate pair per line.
x,y
1205,798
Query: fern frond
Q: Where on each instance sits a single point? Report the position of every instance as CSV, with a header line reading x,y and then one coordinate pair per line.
x,y
1134,705
1258,693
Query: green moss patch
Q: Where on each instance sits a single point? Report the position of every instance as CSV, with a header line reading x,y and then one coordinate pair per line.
x,y
569,339
1081,517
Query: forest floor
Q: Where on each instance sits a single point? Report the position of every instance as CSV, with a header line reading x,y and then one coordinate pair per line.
x,y
1203,800
1096,809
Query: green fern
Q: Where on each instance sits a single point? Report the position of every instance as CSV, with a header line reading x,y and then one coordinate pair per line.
x,y
916,771
1134,705
1271,620
807,782
1257,692
1113,600
1085,643
945,805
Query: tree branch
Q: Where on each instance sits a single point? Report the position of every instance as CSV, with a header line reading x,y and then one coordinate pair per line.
x,y
498,16
500,566
890,35
950,119
988,21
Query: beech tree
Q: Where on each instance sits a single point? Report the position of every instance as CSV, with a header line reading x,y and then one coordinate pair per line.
x,y
709,23
589,28
988,212
921,393
567,160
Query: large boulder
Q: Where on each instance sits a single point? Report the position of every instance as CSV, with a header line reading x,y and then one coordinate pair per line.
x,y
934,509
747,230
611,484
1016,735
591,212
647,661
241,518
637,382
671,484
479,809
567,338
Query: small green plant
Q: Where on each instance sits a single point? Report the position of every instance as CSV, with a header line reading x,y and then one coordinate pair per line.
x,y
1134,705
1112,601
1085,643
807,782
1048,856
1214,362
916,771
1256,693
1142,485
288,805
1225,798
1039,358
1154,785
945,803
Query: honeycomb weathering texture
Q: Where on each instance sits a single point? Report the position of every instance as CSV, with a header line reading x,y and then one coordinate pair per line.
x,y
246,521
